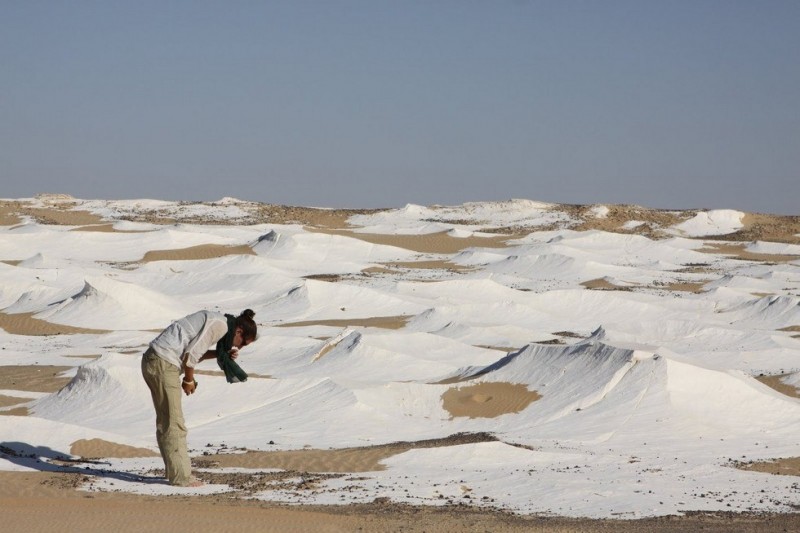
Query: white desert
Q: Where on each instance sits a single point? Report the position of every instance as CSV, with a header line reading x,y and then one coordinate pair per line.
x,y
503,366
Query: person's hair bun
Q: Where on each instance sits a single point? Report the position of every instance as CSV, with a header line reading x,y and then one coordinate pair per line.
x,y
248,325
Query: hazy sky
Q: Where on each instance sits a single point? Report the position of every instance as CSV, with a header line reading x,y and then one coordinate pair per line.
x,y
340,103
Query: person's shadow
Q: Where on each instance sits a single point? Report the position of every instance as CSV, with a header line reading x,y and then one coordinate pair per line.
x,y
48,460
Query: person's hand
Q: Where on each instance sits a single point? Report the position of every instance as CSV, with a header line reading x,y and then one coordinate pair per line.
x,y
189,386
234,352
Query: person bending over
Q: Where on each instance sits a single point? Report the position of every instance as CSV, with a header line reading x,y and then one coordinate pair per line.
x,y
175,351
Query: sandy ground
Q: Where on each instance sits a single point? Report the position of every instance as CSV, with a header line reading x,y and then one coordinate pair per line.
x,y
26,324
602,284
47,501
204,251
776,383
39,501
11,213
487,400
431,243
738,251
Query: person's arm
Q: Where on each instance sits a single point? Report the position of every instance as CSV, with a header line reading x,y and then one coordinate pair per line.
x,y
188,384
210,354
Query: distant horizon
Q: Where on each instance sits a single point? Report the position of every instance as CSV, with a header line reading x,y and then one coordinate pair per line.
x,y
387,207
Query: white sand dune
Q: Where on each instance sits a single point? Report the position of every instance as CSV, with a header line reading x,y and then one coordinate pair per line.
x,y
773,312
604,390
714,222
109,304
317,252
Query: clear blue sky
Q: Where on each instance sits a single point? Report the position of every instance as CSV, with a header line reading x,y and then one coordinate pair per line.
x,y
340,103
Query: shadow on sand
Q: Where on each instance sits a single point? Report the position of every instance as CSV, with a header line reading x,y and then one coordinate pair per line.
x,y
48,460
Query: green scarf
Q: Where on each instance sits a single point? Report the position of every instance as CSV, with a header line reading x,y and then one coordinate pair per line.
x,y
233,372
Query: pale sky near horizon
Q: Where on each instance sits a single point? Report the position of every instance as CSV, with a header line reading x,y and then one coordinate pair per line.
x,y
375,103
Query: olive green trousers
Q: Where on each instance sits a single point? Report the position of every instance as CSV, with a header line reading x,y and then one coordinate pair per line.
x,y
164,381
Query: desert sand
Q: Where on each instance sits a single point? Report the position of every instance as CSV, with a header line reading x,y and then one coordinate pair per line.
x,y
56,498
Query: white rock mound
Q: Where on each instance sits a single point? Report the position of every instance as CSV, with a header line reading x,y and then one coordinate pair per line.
x,y
105,303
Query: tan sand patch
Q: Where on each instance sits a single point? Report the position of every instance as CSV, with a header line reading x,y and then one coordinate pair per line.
x,y
58,210
686,287
789,466
696,268
654,221
790,328
383,322
8,401
329,278
431,243
9,213
488,399
379,270
61,217
309,216
602,284
359,459
776,383
257,213
33,378
681,286
204,251
107,228
17,411
738,251
26,324
95,448
347,460
99,228
13,262
766,227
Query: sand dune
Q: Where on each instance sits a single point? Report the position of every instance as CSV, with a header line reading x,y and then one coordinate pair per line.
x,y
121,305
